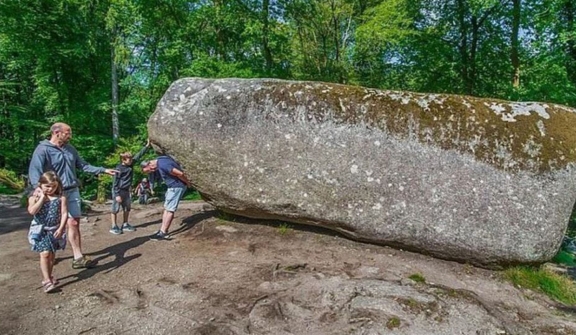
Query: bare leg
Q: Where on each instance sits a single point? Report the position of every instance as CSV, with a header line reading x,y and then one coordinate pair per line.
x,y
126,215
167,218
113,218
51,263
45,267
74,237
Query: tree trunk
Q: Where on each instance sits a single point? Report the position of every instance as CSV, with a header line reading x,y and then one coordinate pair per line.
x,y
569,13
115,125
514,54
265,32
463,45
471,85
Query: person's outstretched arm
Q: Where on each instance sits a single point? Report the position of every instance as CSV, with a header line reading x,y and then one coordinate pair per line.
x,y
142,152
86,167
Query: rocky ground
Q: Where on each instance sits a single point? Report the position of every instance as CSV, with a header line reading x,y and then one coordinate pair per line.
x,y
225,275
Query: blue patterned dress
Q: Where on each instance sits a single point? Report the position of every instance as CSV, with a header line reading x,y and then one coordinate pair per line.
x,y
49,215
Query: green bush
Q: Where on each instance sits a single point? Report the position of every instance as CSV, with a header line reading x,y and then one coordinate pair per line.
x,y
191,195
564,258
7,190
10,183
24,200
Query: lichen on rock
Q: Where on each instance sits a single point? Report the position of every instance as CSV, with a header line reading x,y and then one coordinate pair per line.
x,y
485,181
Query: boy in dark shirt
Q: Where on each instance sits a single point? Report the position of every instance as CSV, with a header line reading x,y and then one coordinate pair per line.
x,y
121,190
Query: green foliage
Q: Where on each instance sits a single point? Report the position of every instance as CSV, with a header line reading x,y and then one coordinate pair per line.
x,y
386,24
56,56
10,183
565,258
556,286
7,190
191,195
418,277
392,323
284,228
213,68
24,200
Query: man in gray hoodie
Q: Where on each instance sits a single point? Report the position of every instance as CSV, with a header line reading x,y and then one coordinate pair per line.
x,y
57,155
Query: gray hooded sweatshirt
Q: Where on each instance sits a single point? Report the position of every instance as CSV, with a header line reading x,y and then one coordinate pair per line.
x,y
64,161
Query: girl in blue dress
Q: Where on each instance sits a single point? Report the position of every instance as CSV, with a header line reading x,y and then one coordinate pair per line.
x,y
47,231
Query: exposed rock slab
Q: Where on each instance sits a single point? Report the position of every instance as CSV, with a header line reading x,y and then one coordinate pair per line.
x,y
488,182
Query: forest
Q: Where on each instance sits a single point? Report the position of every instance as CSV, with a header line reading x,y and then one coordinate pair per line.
x,y
102,65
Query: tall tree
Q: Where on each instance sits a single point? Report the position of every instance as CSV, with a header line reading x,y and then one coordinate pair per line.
x,y
322,38
568,14
382,31
515,45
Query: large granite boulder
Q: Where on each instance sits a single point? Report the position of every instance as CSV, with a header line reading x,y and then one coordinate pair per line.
x,y
483,181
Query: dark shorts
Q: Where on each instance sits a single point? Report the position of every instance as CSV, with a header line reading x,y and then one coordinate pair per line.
x,y
125,204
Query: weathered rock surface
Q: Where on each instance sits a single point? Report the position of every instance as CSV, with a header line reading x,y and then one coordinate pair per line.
x,y
482,181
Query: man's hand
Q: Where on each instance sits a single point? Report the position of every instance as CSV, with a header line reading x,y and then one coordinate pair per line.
x,y
118,199
111,171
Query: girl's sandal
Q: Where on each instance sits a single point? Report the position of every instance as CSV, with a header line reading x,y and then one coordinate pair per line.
x,y
54,280
48,286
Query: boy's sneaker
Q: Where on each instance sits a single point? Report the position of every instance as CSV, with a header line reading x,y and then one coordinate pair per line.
x,y
128,227
160,236
115,230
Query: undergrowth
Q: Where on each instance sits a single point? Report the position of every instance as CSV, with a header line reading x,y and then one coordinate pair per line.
x,y
10,183
564,258
284,228
556,286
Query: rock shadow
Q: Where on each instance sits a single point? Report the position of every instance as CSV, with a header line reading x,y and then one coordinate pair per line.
x,y
309,228
191,221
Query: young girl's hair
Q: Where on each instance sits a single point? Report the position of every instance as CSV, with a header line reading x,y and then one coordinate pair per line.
x,y
49,178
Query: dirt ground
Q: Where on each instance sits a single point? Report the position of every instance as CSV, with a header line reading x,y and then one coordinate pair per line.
x,y
228,275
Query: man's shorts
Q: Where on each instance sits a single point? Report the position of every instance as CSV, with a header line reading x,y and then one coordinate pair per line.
x,y
126,201
74,202
173,196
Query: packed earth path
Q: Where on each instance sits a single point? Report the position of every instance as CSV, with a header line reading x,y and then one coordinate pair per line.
x,y
228,275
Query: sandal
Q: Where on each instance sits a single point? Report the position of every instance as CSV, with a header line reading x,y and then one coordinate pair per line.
x,y
54,281
82,263
48,286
